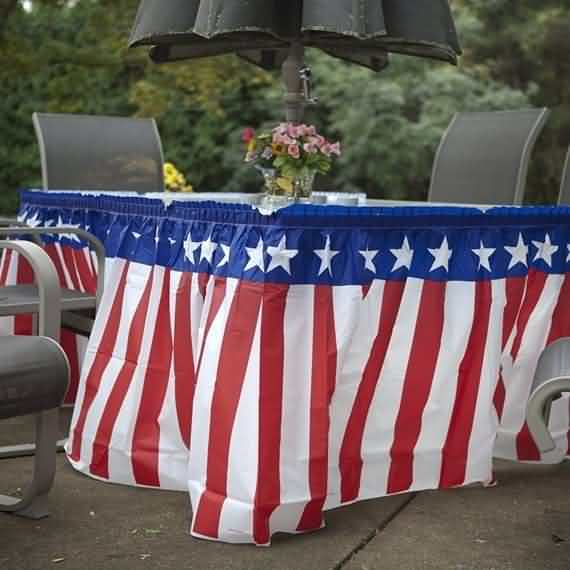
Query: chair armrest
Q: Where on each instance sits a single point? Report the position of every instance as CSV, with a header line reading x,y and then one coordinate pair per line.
x,y
84,235
538,412
12,222
48,285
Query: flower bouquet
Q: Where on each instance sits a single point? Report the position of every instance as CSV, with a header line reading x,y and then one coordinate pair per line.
x,y
289,156
174,180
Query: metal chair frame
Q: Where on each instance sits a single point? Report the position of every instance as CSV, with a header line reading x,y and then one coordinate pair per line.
x,y
70,301
552,379
564,195
33,503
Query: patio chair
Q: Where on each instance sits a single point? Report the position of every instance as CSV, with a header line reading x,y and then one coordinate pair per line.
x,y
92,152
551,380
483,157
76,308
564,196
34,375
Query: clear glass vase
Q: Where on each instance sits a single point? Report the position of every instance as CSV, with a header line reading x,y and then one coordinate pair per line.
x,y
297,189
272,189
303,186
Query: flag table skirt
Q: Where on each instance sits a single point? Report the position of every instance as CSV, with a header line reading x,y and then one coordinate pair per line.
x,y
275,366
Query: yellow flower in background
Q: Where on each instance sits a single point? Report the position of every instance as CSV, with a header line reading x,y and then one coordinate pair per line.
x,y
169,169
174,180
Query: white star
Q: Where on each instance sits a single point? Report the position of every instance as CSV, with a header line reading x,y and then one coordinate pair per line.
x,y
208,249
545,250
484,254
441,255
369,257
403,256
326,255
34,221
518,253
281,256
171,241
136,235
255,257
226,259
568,258
190,247
72,237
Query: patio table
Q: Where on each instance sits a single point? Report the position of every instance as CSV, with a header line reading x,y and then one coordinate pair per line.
x,y
276,366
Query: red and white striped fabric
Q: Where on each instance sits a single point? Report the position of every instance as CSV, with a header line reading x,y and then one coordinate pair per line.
x,y
132,421
389,408
537,314
366,400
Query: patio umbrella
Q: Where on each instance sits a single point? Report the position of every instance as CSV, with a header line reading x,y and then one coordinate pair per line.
x,y
272,33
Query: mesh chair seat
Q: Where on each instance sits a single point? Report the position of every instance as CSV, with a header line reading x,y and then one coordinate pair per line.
x,y
483,157
91,152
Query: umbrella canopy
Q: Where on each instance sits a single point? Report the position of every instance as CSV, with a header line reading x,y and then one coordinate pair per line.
x,y
270,33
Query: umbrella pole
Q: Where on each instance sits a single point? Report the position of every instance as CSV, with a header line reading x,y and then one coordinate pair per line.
x,y
294,97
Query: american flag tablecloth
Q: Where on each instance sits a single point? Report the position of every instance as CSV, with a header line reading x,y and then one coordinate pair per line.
x,y
277,366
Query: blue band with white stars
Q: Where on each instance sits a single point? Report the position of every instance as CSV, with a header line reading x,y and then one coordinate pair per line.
x,y
305,244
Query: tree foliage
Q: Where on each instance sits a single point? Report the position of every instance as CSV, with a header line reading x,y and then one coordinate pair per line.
x,y
72,56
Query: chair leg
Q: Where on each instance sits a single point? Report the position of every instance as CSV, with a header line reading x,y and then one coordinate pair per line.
x,y
34,502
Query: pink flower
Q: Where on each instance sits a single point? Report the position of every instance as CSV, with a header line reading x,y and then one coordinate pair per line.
x,y
311,148
307,131
335,148
294,150
247,135
292,130
283,139
281,129
318,140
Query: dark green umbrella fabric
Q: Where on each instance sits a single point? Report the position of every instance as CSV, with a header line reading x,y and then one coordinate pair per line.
x,y
261,31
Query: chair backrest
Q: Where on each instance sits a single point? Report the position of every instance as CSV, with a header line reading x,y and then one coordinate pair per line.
x,y
564,196
554,362
483,157
91,152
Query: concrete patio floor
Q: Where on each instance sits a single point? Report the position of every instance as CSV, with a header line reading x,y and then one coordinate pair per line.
x,y
523,523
